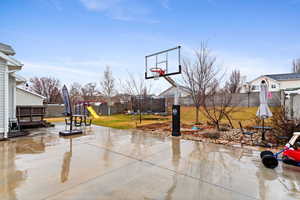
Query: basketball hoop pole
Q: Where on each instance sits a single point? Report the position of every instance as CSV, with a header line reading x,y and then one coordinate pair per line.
x,y
175,108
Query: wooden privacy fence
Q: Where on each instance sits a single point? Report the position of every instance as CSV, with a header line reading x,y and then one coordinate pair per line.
x,y
149,104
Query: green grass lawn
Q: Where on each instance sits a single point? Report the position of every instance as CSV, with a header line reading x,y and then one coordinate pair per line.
x,y
122,121
246,115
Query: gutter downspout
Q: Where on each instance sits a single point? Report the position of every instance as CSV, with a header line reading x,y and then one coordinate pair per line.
x,y
6,97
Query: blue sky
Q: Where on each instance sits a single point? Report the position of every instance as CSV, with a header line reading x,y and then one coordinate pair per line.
x,y
73,40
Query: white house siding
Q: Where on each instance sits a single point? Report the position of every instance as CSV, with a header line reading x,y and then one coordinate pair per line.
x,y
3,99
290,84
24,98
12,97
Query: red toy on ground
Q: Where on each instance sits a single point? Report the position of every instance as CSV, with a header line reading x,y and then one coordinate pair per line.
x,y
290,154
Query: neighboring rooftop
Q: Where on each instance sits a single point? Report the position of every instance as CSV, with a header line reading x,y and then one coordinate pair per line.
x,y
182,88
6,49
24,89
284,77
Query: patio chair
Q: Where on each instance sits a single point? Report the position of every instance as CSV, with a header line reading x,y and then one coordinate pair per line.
x,y
68,121
78,122
248,133
87,122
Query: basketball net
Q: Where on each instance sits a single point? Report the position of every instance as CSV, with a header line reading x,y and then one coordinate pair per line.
x,y
156,75
157,72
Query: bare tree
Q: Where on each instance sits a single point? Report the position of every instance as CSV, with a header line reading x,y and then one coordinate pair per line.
x,y
296,66
75,92
199,76
217,106
89,91
234,84
138,88
47,87
108,86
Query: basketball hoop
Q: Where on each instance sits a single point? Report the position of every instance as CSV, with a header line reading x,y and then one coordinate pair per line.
x,y
164,64
157,72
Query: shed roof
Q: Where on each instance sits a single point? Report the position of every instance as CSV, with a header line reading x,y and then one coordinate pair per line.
x,y
30,92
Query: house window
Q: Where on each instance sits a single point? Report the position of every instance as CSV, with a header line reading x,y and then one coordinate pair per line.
x,y
273,86
255,87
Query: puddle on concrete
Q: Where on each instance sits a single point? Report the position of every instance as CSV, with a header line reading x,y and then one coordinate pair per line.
x,y
105,163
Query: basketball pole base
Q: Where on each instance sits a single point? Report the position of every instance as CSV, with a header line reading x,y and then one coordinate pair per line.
x,y
176,120
70,132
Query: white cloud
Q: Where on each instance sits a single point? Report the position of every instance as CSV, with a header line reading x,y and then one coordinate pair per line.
x,y
165,3
122,10
100,5
68,70
64,73
56,4
251,66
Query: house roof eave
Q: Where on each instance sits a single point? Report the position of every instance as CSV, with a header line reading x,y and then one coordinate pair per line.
x,y
11,61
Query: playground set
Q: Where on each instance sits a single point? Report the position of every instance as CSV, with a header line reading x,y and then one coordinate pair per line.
x,y
85,108
83,111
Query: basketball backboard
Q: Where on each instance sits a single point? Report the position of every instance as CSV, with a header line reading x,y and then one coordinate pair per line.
x,y
163,63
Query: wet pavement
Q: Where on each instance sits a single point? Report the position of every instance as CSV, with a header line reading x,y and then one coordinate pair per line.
x,y
107,163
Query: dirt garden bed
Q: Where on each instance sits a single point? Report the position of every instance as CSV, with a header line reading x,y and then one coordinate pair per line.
x,y
207,133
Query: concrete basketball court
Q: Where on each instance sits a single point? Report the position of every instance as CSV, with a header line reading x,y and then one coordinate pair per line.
x,y
116,164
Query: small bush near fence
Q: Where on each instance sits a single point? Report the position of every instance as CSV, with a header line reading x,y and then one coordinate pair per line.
x,y
282,126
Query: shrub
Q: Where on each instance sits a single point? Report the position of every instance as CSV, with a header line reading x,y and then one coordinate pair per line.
x,y
224,128
281,125
212,134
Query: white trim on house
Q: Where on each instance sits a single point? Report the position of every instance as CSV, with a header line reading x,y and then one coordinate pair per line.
x,y
11,62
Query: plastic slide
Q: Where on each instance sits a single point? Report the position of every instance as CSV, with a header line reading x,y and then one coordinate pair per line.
x,y
93,112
